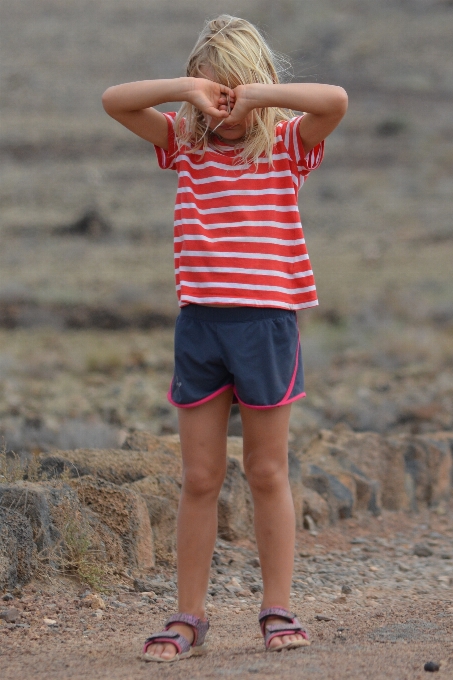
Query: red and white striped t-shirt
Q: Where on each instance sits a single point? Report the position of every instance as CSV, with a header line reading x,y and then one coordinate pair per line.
x,y
237,232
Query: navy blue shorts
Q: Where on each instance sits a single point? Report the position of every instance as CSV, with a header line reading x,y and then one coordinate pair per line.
x,y
256,351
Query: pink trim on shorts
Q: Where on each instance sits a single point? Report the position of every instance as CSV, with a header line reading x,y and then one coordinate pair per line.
x,y
286,399
201,401
280,403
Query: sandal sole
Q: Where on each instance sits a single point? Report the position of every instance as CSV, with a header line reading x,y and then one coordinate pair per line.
x,y
194,651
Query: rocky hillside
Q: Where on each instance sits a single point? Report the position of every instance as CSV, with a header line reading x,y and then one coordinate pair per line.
x,y
112,513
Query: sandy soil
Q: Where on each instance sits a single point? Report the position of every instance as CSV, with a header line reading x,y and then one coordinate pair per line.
x,y
397,616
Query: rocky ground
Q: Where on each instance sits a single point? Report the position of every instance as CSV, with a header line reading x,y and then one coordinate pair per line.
x,y
375,594
364,576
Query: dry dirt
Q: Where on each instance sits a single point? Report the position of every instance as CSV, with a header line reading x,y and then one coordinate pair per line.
x,y
397,616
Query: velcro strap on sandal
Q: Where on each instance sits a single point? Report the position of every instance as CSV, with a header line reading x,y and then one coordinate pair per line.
x,y
179,641
275,611
200,627
278,631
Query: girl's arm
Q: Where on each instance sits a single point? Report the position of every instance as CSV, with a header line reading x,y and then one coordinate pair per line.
x,y
325,106
131,104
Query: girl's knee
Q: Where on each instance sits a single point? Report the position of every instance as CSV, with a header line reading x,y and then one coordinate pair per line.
x,y
202,482
265,477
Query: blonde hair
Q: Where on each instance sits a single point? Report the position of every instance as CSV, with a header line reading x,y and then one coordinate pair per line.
x,y
236,52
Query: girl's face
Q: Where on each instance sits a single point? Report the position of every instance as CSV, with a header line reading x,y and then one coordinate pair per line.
x,y
228,133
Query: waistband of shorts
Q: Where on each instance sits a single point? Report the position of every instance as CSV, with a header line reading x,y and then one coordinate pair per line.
x,y
233,314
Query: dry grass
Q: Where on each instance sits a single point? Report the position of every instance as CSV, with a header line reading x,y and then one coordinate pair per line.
x,y
15,469
74,552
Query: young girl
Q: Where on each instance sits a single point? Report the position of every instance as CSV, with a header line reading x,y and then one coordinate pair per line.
x,y
242,271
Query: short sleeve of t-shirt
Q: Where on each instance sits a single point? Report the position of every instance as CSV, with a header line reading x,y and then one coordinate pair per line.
x,y
166,159
289,130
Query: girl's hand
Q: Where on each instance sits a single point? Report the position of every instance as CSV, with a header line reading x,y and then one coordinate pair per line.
x,y
241,104
211,98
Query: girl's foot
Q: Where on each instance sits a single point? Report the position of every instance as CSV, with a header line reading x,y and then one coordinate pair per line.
x,y
167,650
182,637
283,641
281,630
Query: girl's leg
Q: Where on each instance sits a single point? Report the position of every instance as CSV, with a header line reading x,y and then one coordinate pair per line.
x,y
266,466
203,433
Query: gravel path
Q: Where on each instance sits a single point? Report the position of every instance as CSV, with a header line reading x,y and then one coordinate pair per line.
x,y
374,610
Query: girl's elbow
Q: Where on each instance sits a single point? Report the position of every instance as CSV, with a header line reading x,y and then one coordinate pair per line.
x,y
107,100
341,100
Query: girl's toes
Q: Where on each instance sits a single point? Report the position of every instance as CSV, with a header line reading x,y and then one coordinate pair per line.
x,y
276,642
168,652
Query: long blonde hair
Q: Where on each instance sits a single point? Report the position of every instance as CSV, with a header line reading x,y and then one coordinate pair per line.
x,y
236,52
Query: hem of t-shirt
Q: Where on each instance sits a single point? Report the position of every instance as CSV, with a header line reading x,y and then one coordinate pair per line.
x,y
252,303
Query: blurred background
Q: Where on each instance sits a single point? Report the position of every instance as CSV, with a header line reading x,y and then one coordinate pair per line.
x,y
87,299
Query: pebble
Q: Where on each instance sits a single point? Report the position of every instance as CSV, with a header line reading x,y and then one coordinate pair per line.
x,y
422,550
10,615
431,666
94,601
324,617
346,590
50,622
7,597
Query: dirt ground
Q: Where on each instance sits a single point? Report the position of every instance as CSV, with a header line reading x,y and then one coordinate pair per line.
x,y
373,608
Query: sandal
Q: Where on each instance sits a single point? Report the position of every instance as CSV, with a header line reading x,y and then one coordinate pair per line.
x,y
183,647
280,629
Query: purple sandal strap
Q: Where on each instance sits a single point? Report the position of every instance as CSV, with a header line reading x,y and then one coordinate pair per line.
x,y
275,611
200,627
290,627
179,641
278,629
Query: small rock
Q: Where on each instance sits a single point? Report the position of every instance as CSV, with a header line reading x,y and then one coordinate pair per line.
x,y
98,614
309,524
10,615
422,550
94,601
431,666
403,567
8,597
254,562
256,588
346,590
358,541
324,617
235,583
50,622
148,593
